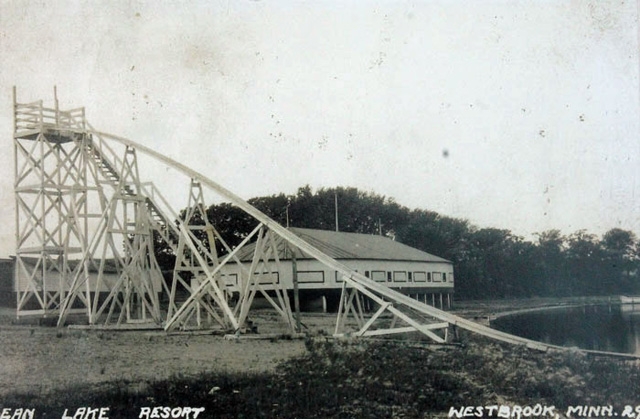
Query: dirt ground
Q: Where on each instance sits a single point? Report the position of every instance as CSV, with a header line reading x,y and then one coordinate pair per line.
x,y
39,359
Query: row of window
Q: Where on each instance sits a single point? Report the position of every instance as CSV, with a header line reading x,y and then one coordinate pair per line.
x,y
317,277
403,276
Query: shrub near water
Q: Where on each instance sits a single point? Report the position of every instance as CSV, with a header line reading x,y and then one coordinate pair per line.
x,y
341,379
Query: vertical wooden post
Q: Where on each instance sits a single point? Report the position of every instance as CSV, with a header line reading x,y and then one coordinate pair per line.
x,y
296,296
336,207
341,306
15,112
55,98
41,117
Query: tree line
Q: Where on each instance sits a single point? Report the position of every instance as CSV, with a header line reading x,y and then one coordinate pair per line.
x,y
488,262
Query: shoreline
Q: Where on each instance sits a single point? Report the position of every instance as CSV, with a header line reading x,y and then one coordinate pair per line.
x,y
493,309
503,308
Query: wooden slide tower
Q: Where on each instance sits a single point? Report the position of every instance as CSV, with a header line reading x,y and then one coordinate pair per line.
x,y
87,225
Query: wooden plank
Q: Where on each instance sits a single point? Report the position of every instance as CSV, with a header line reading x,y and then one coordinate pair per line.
x,y
373,318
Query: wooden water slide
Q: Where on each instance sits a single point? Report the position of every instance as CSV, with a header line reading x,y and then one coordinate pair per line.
x,y
33,121
393,301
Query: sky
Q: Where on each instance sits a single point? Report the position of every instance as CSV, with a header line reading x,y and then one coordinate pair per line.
x,y
521,115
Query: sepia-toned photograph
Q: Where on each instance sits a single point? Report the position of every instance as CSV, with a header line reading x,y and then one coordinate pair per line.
x,y
319,209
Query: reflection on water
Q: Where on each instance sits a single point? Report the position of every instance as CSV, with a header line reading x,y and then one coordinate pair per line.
x,y
614,328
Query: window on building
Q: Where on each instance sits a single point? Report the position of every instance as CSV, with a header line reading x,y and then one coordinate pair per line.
x,y
311,277
420,277
230,280
266,278
339,276
388,276
378,276
399,276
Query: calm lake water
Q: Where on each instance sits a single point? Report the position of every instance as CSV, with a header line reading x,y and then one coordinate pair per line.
x,y
614,328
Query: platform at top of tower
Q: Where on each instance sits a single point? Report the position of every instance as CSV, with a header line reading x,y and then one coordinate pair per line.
x,y
32,119
51,133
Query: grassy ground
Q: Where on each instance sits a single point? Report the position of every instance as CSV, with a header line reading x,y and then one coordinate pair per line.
x,y
372,379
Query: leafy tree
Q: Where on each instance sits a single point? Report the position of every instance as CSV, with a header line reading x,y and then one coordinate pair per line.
x,y
163,252
274,206
232,223
584,256
551,260
619,259
490,250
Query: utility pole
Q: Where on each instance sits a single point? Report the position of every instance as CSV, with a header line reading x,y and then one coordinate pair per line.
x,y
336,205
287,210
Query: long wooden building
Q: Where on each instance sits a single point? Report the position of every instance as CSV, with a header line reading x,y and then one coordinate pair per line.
x,y
419,274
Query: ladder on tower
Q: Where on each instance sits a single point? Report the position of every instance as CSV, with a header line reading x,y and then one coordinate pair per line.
x,y
161,221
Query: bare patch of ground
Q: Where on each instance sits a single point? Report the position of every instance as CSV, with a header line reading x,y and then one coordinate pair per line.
x,y
42,359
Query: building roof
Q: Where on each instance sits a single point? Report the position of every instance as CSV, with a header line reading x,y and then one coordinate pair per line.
x,y
340,245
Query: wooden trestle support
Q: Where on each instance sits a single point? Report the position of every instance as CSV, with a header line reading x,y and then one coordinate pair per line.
x,y
86,227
